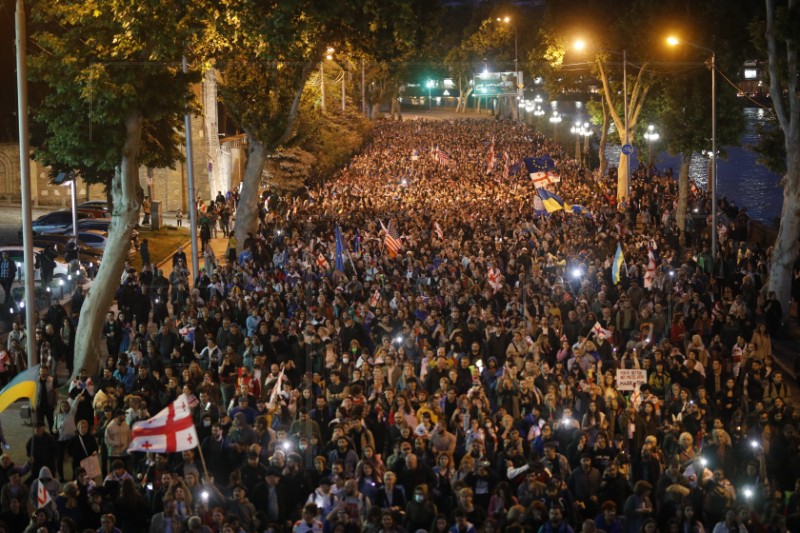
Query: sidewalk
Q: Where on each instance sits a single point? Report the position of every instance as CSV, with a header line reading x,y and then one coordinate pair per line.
x,y
219,245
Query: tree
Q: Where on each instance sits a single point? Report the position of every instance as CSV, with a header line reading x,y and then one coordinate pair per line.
x,y
683,106
609,28
266,52
113,98
490,40
783,47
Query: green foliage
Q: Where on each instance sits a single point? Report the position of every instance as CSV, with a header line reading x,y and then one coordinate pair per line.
x,y
333,138
770,147
266,51
99,63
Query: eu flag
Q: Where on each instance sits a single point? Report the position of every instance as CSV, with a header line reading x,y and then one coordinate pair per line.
x,y
339,250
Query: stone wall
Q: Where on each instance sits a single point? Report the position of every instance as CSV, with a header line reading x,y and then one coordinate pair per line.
x,y
169,185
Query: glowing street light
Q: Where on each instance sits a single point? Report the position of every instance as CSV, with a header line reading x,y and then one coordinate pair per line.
x,y
555,120
651,136
429,84
507,20
577,130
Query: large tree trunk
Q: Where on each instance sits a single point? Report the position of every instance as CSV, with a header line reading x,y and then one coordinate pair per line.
x,y
683,194
783,69
127,196
396,111
623,177
216,180
604,139
785,249
247,210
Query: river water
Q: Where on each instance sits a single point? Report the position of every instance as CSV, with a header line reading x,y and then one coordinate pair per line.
x,y
741,179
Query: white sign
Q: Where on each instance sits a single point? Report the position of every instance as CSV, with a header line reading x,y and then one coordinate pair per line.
x,y
630,379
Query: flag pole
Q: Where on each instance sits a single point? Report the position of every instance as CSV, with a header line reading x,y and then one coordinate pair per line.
x,y
202,459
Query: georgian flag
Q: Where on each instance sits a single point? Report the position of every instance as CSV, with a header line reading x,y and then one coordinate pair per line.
x,y
375,299
650,275
495,278
171,430
598,330
322,262
42,496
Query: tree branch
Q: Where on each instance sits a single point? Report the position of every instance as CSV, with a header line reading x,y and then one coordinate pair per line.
x,y
607,91
774,79
292,118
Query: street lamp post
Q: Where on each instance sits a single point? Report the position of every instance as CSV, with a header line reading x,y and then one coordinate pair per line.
x,y
651,136
674,41
429,84
507,20
587,134
555,119
577,129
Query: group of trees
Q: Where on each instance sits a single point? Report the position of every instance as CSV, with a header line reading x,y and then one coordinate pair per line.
x,y
665,85
111,90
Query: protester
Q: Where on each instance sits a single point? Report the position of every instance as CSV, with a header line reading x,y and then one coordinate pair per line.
x,y
454,363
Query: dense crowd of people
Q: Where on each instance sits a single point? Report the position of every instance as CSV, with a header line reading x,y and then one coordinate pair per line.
x,y
458,375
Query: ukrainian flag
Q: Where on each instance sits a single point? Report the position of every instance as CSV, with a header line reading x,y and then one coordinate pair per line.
x,y
22,386
619,260
552,203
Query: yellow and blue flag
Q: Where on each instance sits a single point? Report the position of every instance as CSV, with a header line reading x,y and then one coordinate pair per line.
x,y
619,260
552,202
581,210
22,386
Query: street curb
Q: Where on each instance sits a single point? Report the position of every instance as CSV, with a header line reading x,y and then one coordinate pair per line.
x,y
170,256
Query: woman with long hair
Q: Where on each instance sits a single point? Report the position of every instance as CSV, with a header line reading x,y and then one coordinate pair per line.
x,y
761,341
402,408
131,508
592,420
179,492
443,494
501,502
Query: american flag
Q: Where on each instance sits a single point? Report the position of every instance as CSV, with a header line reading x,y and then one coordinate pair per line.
x,y
438,229
490,166
440,157
391,239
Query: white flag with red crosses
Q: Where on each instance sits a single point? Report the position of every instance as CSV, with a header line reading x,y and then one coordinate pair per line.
x,y
171,430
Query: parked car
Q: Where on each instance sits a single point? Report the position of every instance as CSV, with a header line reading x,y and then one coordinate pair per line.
x,y
94,203
60,242
103,224
15,252
57,221
96,211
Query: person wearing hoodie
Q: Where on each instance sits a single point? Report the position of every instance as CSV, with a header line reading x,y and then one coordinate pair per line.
x,y
52,486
